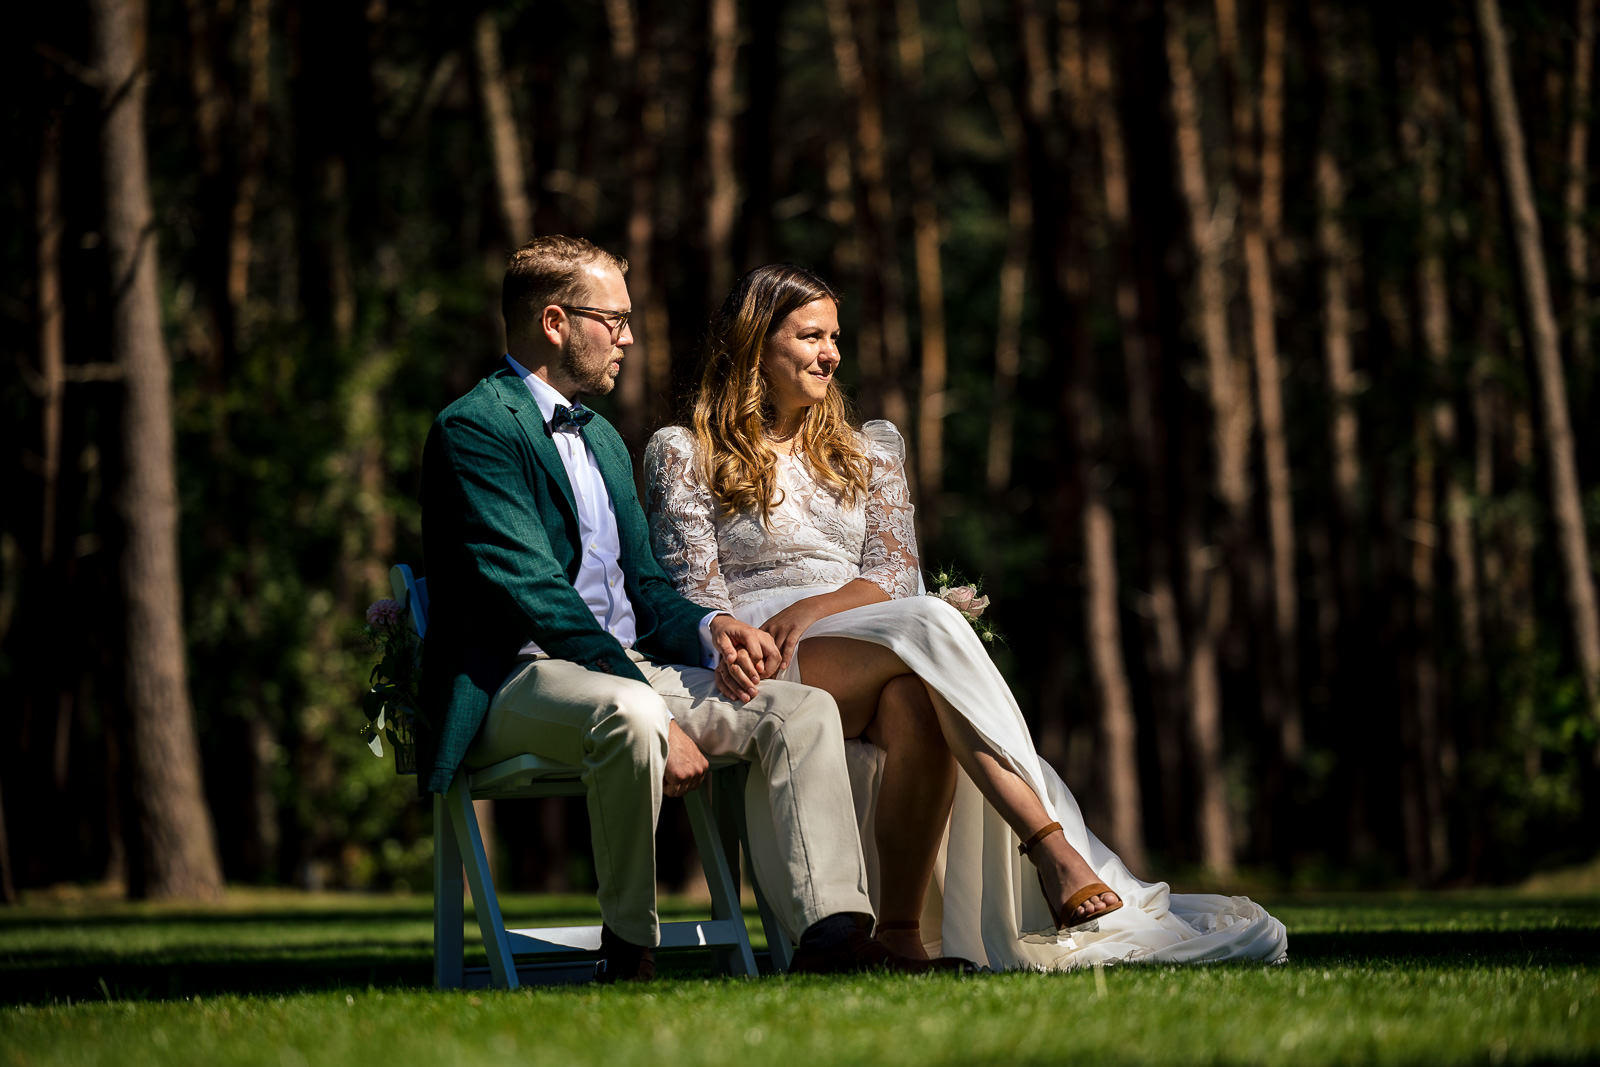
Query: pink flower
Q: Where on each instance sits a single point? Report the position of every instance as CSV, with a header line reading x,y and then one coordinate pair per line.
x,y
384,613
960,597
975,608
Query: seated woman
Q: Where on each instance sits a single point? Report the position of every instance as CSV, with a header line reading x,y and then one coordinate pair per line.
x,y
770,505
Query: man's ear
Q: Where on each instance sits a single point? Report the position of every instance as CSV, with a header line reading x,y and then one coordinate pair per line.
x,y
552,324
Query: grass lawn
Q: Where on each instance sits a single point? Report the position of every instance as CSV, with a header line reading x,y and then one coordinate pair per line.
x,y
289,979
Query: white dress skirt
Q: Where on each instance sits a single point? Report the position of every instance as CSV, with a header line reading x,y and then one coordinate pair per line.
x,y
985,903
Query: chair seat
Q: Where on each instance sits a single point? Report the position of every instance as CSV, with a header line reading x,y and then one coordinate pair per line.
x,y
716,817
535,776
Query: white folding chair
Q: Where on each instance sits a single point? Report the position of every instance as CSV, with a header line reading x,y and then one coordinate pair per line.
x,y
717,822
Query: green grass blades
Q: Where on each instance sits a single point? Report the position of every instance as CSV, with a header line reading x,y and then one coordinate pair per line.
x,y
1445,978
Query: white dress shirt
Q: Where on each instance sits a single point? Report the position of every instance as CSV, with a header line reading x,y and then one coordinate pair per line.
x,y
600,580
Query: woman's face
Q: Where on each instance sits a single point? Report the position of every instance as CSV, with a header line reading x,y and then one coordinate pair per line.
x,y
801,355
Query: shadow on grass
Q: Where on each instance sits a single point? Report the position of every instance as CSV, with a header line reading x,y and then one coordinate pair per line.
x,y
1467,948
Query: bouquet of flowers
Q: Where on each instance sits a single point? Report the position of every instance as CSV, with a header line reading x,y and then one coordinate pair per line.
x,y
951,587
391,700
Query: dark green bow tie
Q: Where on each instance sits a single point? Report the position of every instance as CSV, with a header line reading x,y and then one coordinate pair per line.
x,y
576,417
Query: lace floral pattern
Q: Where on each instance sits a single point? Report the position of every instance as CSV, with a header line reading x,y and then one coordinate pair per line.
x,y
814,537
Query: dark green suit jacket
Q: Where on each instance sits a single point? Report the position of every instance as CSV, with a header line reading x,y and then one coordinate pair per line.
x,y
501,552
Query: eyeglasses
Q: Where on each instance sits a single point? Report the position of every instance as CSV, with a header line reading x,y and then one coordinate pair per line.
x,y
616,321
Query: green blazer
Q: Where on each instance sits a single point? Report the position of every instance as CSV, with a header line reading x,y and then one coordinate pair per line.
x,y
500,551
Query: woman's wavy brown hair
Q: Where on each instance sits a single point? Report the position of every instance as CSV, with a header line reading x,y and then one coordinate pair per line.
x,y
731,410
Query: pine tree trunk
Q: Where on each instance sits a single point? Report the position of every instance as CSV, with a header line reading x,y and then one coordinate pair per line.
x,y
857,58
930,279
1342,532
1208,577
1164,637
252,161
1577,187
1116,727
1437,448
1274,593
1544,345
52,335
180,858
723,199
1014,263
500,122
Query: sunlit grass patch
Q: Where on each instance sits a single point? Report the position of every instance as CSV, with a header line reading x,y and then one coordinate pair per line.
x,y
1393,978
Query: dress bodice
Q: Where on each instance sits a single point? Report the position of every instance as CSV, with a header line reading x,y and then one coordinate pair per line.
x,y
814,536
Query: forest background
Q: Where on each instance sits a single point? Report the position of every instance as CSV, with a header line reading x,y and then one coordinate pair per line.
x,y
1239,347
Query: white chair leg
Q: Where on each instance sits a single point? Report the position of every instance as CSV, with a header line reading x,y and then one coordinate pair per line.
x,y
502,965
719,879
448,950
733,812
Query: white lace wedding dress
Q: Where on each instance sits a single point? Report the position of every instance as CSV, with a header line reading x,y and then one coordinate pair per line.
x,y
985,900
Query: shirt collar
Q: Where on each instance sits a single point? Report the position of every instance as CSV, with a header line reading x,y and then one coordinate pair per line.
x,y
544,394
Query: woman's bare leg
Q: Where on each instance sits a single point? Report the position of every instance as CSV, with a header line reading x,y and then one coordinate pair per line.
x,y
919,782
919,775
849,669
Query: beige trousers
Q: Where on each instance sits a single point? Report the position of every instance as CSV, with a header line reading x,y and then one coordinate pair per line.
x,y
803,844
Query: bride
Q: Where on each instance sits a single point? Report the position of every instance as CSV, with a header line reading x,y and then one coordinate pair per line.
x,y
769,505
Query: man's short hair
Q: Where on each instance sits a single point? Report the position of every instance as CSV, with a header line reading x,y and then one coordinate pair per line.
x,y
548,270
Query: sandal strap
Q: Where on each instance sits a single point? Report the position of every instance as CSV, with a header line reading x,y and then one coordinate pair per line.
x,y
1038,835
899,924
1093,889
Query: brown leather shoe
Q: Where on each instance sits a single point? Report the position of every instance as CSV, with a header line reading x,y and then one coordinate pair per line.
x,y
623,961
861,951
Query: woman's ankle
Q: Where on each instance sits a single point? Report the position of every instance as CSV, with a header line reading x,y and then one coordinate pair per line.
x,y
903,937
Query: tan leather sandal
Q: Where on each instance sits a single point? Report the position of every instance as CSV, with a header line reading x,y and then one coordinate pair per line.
x,y
1075,901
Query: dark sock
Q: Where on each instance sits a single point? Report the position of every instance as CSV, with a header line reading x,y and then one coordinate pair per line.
x,y
830,932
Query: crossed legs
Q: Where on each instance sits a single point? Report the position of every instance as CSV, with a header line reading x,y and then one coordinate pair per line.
x,y
859,674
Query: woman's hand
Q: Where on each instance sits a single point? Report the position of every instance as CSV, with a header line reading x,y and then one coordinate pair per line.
x,y
790,624
745,656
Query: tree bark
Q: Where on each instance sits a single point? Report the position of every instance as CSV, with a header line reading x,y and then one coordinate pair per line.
x,y
930,278
252,160
1340,596
1437,446
1014,262
1208,576
500,121
1544,345
1275,593
1116,725
886,371
180,858
52,340
1577,186
1164,639
644,393
722,204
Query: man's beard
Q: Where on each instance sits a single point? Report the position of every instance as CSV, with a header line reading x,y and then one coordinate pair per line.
x,y
578,365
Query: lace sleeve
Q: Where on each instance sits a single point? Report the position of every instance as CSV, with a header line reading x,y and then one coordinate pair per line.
x,y
682,531
889,556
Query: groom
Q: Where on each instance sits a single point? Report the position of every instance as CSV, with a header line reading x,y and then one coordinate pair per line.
x,y
555,632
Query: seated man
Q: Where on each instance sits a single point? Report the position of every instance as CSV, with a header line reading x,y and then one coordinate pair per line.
x,y
555,632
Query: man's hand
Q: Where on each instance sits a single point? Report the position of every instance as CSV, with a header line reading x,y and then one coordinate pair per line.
x,y
686,767
748,655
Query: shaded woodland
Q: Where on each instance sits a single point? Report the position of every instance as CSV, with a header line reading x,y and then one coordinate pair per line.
x,y
1242,347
